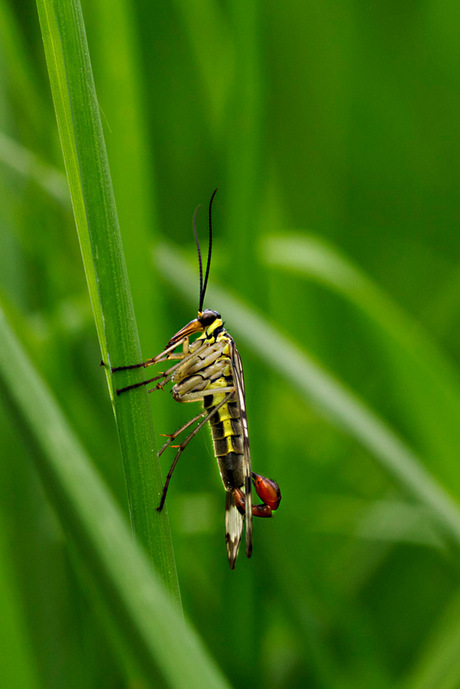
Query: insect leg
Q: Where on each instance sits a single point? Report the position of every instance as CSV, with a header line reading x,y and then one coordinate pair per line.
x,y
168,355
166,375
174,435
200,394
143,382
197,386
184,445
165,354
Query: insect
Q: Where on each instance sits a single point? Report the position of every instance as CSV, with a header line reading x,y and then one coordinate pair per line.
x,y
209,370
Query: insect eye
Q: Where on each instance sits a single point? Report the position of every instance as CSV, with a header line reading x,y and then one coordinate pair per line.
x,y
208,317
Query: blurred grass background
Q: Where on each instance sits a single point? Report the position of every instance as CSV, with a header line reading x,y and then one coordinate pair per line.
x,y
331,132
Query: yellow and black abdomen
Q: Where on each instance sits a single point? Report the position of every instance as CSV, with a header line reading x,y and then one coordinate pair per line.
x,y
227,436
208,377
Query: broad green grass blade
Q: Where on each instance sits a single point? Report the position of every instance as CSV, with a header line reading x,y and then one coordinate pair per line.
x,y
208,34
116,52
22,69
85,158
427,381
244,141
17,664
147,617
29,166
338,404
438,665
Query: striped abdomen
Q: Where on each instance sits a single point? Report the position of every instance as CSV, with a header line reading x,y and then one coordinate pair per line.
x,y
227,435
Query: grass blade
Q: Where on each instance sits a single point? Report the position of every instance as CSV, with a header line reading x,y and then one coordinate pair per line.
x,y
85,158
147,618
336,402
17,664
438,664
27,164
116,55
427,381
216,74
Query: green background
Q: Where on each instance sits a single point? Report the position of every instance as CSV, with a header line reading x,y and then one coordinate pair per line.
x,y
331,130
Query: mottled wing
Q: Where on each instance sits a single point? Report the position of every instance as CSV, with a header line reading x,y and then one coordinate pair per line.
x,y
239,384
233,529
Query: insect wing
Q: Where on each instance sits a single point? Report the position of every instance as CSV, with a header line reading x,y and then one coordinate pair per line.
x,y
239,384
233,529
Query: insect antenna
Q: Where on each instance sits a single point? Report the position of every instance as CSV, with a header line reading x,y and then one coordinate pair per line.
x,y
199,257
209,249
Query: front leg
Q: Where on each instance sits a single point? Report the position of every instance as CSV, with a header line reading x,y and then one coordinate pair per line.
x,y
166,354
165,376
146,382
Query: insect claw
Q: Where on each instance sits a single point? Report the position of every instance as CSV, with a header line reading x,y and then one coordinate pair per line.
x,y
159,386
268,491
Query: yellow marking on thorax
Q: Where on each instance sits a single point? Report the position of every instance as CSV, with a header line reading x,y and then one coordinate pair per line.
x,y
207,334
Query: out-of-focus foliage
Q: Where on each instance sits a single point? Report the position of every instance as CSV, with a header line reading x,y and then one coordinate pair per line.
x,y
331,132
